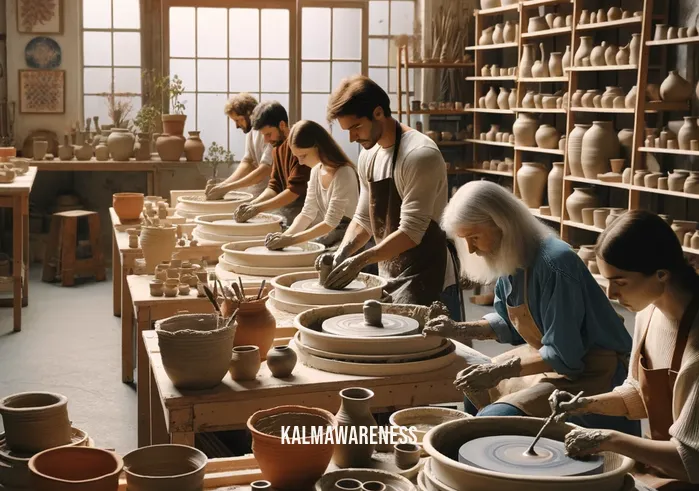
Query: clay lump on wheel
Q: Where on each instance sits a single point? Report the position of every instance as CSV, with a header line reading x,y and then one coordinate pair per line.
x,y
223,228
372,322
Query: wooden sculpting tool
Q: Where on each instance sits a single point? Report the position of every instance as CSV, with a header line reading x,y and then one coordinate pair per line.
x,y
530,450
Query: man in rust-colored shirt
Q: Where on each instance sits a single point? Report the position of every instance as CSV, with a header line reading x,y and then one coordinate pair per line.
x,y
287,186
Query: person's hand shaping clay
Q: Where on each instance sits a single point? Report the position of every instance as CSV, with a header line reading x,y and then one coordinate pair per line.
x,y
487,375
337,259
440,326
277,241
345,273
563,401
583,441
216,192
245,212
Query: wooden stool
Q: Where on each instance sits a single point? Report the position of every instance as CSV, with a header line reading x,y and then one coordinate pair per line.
x,y
61,250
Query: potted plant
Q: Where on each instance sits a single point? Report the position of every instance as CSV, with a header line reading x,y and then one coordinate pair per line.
x,y
173,124
145,122
120,141
217,155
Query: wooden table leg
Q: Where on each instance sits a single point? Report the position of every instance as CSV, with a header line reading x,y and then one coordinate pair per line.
x,y
185,438
116,275
143,378
127,361
158,427
17,263
151,183
25,254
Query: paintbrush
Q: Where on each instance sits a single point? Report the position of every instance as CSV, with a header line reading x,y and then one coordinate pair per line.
x,y
242,288
211,297
232,318
262,287
236,290
223,290
530,450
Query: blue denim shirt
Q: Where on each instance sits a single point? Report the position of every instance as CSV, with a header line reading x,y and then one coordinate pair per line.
x,y
568,306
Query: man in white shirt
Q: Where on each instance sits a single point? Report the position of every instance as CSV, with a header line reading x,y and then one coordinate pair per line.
x,y
403,193
252,174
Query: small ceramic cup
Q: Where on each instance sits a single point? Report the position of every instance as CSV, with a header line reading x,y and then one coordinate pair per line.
x,y
347,484
156,288
459,106
588,216
662,183
407,455
373,486
133,241
183,288
245,362
672,144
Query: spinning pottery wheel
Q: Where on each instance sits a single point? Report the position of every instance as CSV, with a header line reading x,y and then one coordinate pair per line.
x,y
253,253
222,227
194,206
508,454
371,323
314,286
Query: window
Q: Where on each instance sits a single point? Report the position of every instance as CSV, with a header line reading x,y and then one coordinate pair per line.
x,y
111,55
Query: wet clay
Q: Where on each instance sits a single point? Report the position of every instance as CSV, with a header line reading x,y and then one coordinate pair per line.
x,y
582,439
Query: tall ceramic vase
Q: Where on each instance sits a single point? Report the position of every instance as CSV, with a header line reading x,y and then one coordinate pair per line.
x,y
599,144
555,188
688,132
527,61
256,326
194,148
531,179
583,51
581,198
575,149
524,130
354,413
158,244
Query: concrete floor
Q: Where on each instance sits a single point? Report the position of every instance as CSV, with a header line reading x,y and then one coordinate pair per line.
x,y
71,343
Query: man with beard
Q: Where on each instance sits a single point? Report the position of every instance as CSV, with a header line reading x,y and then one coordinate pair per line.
x,y
546,301
287,186
252,174
403,191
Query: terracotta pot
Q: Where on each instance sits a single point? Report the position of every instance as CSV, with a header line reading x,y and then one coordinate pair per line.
x,y
547,136
575,149
35,421
676,180
158,244
531,179
281,361
527,61
194,148
169,147
127,206
583,51
555,189
195,350
120,144
75,469
290,465
503,99
599,144
556,65
579,199
355,411
256,326
173,124
524,130
245,363
634,48
675,88
165,468
691,185
688,132
491,99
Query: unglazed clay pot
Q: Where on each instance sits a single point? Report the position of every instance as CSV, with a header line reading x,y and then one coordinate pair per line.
x,y
158,244
290,465
39,148
597,55
583,51
691,185
142,151
35,421
355,411
587,100
610,54
256,326
623,55
489,4
512,99
688,132
682,227
537,24
245,362
75,469
527,61
634,48
625,137
675,88
503,99
509,32
556,65
540,68
599,144
127,206
676,180
120,144
575,149
491,99
694,243
609,95
586,253
576,98
173,124
613,215
195,349
547,136
281,361
528,100
491,135
565,61
555,188
524,130
194,148
165,468
498,34
531,179
579,199
169,147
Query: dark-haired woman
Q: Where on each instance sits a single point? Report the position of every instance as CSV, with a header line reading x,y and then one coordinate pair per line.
x,y
333,189
643,260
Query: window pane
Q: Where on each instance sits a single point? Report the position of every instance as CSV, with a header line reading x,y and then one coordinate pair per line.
x,y
182,32
378,52
244,33
313,107
275,76
133,108
127,80
97,80
380,76
94,105
315,38
127,14
97,14
186,71
127,49
212,32
315,77
342,138
244,76
378,18
347,34
282,99
342,70
190,109
236,145
212,75
402,15
210,119
275,33
393,80
97,48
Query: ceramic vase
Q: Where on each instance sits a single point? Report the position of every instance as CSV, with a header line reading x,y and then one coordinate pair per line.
x,y
528,100
691,184
65,151
120,144
537,24
158,244
583,51
675,88
623,55
512,99
510,32
575,149
524,130
527,61
610,54
597,55
540,67
599,144
609,95
634,48
556,65
576,98
491,99
625,137
579,199
498,36
194,148
688,132
676,180
531,179
245,363
694,244
256,326
565,61
491,135
143,150
169,147
547,137
555,188
355,411
101,152
35,421
503,101
281,361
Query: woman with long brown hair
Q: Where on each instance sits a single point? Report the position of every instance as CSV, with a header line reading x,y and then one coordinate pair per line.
x,y
333,189
643,261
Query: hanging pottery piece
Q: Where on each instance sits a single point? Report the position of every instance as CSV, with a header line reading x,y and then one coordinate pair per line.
x,y
169,147
675,88
524,130
579,199
547,137
42,53
498,37
599,144
575,149
555,188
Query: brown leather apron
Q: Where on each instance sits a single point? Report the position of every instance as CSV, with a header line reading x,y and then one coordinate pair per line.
x,y
417,275
657,388
530,393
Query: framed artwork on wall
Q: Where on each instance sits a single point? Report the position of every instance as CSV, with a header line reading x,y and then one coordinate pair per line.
x,y
40,16
42,91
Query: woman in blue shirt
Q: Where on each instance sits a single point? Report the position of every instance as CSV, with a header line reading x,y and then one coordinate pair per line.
x,y
546,302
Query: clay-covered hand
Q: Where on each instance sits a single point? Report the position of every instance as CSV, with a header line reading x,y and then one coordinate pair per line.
x,y
345,273
277,240
562,402
440,326
245,212
584,441
336,259
215,192
487,375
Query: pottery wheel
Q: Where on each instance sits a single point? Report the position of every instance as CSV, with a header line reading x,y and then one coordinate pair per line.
x,y
262,250
353,325
312,286
231,221
505,453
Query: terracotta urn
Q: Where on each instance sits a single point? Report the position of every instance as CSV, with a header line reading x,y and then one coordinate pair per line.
x,y
579,199
158,244
527,61
524,130
35,421
75,469
173,124
290,465
688,132
256,326
555,189
281,361
617,165
691,185
676,180
194,148
143,147
120,144
575,149
583,51
165,467
675,88
599,144
169,147
355,411
245,362
128,206
547,136
531,180
491,99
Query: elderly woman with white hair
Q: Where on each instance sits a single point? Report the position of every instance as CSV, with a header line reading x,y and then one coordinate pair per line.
x,y
546,302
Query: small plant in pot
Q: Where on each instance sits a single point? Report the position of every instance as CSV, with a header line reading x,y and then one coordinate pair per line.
x,y
145,122
173,124
217,155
